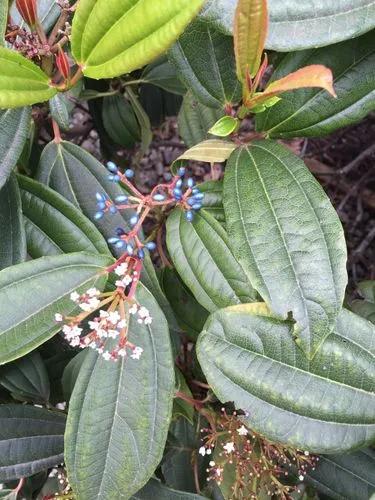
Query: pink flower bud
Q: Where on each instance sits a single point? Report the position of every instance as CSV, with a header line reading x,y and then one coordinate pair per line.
x,y
63,64
28,11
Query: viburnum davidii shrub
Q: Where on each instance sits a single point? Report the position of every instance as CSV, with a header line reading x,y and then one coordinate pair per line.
x,y
186,341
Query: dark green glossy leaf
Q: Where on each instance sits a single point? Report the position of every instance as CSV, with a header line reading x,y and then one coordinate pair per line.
x,y
365,307
195,119
345,476
189,313
325,405
162,74
143,120
204,59
54,225
31,440
155,489
287,237
113,451
204,260
62,105
120,122
71,372
12,231
213,199
158,103
26,378
32,292
313,112
296,25
14,130
78,176
110,38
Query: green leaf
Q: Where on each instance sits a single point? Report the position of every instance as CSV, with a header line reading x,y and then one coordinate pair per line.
x,y
62,105
213,199
287,237
31,440
32,292
210,151
182,408
311,112
12,231
3,20
143,120
195,119
14,130
26,378
296,25
21,81
78,176
155,489
189,313
48,12
345,476
71,373
54,225
365,307
204,59
113,451
326,405
204,260
162,74
225,126
110,38
120,121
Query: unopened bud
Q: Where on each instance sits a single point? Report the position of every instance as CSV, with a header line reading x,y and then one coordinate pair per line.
x,y
62,64
28,11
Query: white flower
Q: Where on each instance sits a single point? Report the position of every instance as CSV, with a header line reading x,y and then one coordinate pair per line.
x,y
143,312
229,447
137,351
208,451
92,292
94,325
202,451
114,317
133,309
75,341
122,353
301,477
85,307
121,324
106,355
212,463
112,334
58,317
120,284
121,269
74,296
242,431
148,320
103,314
94,303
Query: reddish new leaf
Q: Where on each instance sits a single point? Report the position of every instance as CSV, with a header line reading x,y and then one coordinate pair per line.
x,y
250,31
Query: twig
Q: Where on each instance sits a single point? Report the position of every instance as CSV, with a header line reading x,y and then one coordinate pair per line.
x,y
357,161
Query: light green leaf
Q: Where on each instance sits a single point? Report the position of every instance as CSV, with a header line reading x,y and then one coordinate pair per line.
x,y
14,130
26,378
113,451
3,20
155,489
120,121
32,292
296,25
326,405
54,225
204,59
210,151
12,231
202,255
311,112
78,176
21,81
224,126
31,440
287,237
345,476
162,74
195,119
110,38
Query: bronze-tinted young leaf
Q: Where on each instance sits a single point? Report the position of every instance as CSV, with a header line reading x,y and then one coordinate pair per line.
x,y
324,405
210,151
110,38
312,112
315,75
287,236
250,32
21,81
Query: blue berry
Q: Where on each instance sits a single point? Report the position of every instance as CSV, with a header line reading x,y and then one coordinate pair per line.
x,y
197,206
189,215
121,198
129,173
100,196
112,240
101,205
112,167
191,201
181,171
113,209
133,220
159,197
196,191
177,193
98,215
129,249
179,183
198,196
190,182
120,244
151,245
119,231
141,254
114,178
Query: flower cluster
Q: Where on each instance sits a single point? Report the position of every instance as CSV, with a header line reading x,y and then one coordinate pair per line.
x,y
258,463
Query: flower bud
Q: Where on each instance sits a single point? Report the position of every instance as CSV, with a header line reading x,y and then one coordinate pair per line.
x,y
62,64
27,9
